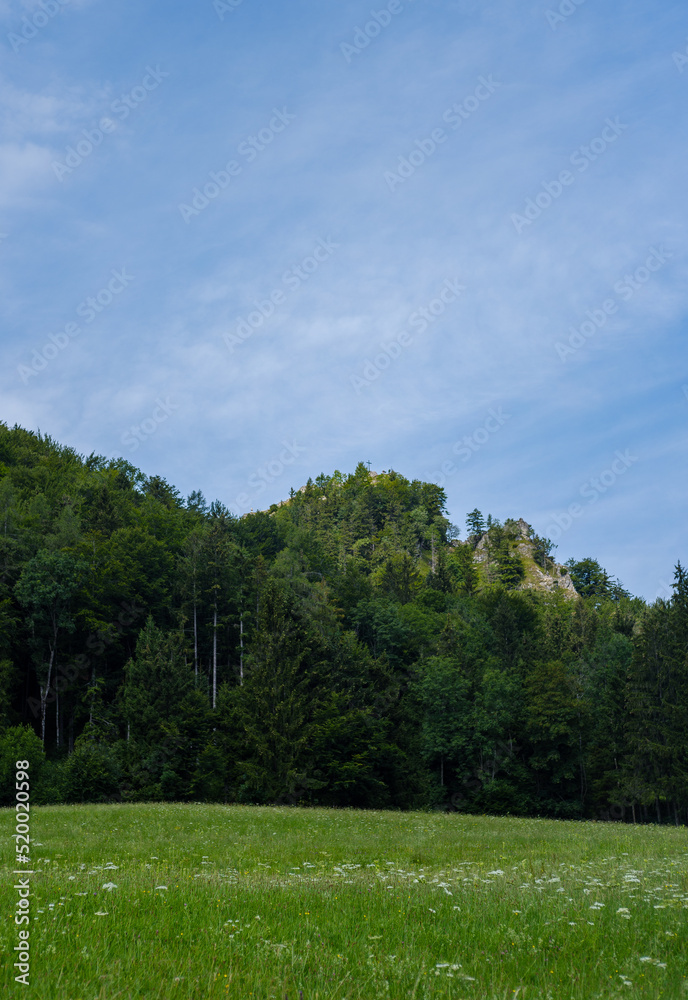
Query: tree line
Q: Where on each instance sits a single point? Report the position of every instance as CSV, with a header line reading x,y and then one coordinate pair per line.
x,y
345,648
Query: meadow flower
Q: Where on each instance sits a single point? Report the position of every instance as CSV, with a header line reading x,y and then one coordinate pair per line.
x,y
109,886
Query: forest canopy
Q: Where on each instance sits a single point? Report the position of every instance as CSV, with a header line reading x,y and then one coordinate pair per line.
x,y
344,648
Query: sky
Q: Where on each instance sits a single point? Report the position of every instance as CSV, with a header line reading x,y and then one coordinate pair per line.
x,y
244,243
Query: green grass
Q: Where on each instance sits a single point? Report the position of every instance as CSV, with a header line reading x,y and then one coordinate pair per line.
x,y
267,902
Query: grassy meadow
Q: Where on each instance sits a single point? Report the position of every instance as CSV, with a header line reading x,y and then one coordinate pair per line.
x,y
179,901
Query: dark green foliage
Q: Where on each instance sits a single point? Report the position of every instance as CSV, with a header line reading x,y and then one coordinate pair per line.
x,y
504,564
340,649
475,526
91,773
19,743
590,580
156,682
543,549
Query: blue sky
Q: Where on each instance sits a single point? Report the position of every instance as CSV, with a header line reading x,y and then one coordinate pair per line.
x,y
445,237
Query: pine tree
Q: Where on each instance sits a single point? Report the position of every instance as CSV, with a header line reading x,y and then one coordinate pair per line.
x,y
475,526
156,681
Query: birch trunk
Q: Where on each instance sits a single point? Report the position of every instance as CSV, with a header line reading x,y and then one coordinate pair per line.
x,y
214,654
45,689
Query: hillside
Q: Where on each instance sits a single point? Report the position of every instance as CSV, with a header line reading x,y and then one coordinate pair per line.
x,y
539,570
347,648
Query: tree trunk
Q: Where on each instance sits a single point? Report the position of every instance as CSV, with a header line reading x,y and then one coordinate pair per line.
x,y
57,711
214,654
241,649
44,690
633,811
195,644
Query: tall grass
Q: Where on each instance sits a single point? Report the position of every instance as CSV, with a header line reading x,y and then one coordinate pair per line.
x,y
178,901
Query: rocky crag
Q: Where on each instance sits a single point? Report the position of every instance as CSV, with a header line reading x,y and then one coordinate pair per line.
x,y
541,572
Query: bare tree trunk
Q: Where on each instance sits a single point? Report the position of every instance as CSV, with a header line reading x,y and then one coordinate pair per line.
x,y
57,710
633,810
44,690
214,653
241,648
195,644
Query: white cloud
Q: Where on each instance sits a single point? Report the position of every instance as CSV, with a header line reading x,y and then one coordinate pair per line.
x,y
23,169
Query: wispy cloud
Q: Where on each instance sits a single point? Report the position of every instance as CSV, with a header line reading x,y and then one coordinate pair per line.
x,y
323,178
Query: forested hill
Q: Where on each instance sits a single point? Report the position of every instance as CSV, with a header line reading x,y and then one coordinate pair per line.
x,y
346,647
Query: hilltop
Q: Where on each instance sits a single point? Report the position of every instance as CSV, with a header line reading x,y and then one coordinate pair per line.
x,y
510,554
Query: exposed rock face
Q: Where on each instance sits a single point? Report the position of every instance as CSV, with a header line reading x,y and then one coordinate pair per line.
x,y
555,577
